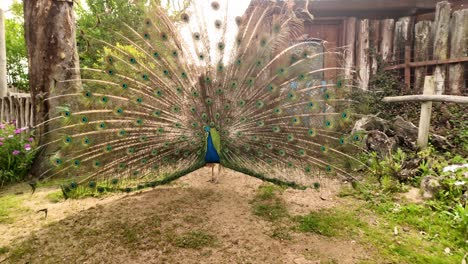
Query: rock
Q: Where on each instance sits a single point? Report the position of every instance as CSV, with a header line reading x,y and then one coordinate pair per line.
x,y
380,143
369,123
409,169
440,142
430,186
406,229
447,250
406,132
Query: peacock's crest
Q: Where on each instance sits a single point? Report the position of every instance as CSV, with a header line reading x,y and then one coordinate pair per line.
x,y
177,82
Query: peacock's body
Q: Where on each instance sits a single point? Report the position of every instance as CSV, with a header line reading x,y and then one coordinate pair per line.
x,y
205,86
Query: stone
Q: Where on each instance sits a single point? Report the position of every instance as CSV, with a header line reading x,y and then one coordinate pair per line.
x,y
430,186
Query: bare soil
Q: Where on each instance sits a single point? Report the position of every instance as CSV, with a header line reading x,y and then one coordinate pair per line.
x,y
156,225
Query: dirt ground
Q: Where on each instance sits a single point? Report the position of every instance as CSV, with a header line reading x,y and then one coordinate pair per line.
x,y
146,227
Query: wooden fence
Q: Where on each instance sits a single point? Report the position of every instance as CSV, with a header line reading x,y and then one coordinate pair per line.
x,y
412,47
17,107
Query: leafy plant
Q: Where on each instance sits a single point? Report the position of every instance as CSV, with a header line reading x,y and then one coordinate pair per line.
x,y
460,217
16,153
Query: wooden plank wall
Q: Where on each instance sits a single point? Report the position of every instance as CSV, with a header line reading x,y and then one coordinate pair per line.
x,y
413,48
17,106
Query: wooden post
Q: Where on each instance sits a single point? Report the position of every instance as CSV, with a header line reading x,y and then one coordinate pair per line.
x,y
407,68
458,48
400,39
426,111
422,38
387,28
374,44
350,46
363,54
3,59
441,36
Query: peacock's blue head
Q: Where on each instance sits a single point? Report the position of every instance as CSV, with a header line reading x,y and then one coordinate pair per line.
x,y
207,128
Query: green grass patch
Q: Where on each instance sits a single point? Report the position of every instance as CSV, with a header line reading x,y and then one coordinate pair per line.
x,y
55,197
10,206
195,240
329,223
267,205
4,250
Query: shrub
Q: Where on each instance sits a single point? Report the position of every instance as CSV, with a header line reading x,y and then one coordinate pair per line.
x,y
17,150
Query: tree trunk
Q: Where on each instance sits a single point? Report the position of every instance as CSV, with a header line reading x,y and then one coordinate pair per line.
x,y
51,43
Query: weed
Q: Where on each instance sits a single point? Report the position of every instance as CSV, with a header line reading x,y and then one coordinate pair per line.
x,y
281,233
195,240
267,205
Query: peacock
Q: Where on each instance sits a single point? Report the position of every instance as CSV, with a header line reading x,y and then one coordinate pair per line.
x,y
202,86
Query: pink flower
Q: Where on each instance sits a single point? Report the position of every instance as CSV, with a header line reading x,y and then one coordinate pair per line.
x,y
2,126
1,143
16,152
17,131
2,139
23,129
27,147
31,140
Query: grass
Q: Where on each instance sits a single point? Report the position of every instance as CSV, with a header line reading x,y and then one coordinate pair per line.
x,y
268,205
329,223
371,224
195,240
10,206
4,250
406,247
21,250
55,197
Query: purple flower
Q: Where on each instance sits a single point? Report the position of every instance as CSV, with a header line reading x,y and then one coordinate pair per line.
x,y
2,126
23,129
2,139
31,139
17,131
1,143
27,147
16,152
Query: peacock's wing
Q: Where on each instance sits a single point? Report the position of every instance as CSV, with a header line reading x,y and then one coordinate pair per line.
x,y
141,116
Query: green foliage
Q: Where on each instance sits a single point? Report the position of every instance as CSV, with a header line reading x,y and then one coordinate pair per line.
x,y
16,153
195,240
448,201
100,20
457,133
17,60
386,170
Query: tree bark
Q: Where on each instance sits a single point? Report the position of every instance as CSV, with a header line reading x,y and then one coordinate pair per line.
x,y
51,43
